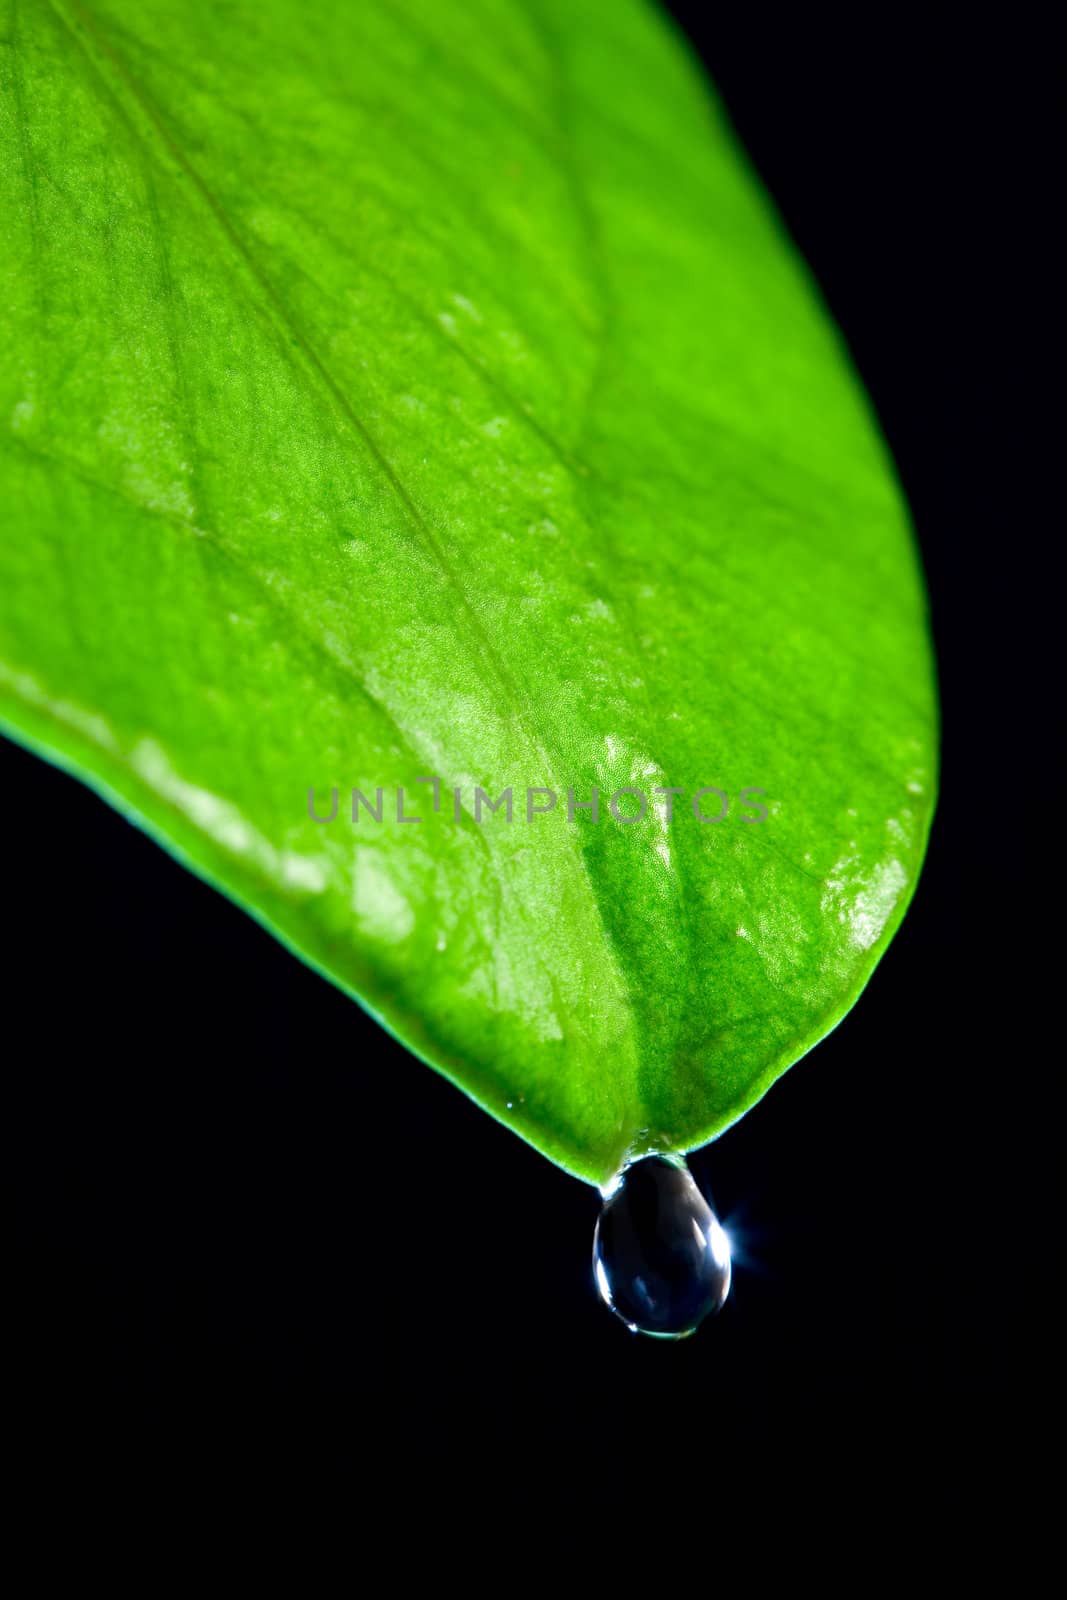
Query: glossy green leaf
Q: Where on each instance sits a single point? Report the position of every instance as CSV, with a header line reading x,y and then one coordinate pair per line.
x,y
416,389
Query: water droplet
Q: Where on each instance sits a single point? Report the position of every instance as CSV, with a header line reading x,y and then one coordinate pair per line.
x,y
660,1258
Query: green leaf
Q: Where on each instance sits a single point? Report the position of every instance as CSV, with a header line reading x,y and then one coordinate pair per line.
x,y
420,389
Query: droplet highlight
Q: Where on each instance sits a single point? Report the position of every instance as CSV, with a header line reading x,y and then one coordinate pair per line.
x,y
661,1260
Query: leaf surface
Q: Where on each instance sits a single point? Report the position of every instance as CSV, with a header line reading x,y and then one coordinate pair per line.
x,y
416,390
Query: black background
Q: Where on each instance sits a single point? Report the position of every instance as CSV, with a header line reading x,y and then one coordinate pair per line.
x,y
247,1227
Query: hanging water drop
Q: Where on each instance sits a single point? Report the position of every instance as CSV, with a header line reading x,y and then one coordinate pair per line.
x,y
660,1257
